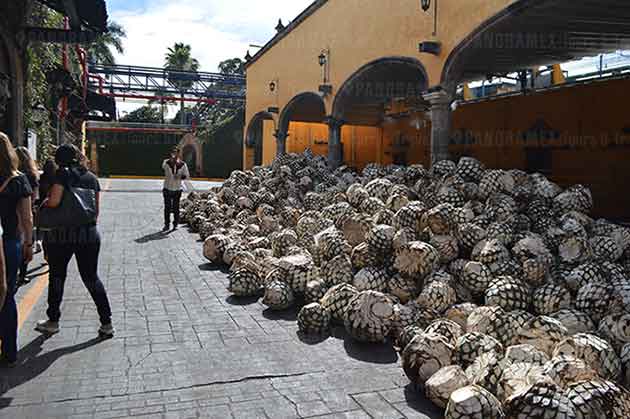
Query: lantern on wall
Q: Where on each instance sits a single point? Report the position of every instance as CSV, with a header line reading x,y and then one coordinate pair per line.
x,y
426,4
322,59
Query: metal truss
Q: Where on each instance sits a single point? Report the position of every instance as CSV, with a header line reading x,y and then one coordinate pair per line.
x,y
159,84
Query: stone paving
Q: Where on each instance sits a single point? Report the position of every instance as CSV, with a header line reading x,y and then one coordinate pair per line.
x,y
184,348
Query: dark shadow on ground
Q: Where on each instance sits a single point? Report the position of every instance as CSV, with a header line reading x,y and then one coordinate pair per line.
x,y
211,267
312,339
289,314
30,365
241,301
160,235
415,398
338,331
374,353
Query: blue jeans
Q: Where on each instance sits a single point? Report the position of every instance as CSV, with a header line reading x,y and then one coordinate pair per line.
x,y
9,314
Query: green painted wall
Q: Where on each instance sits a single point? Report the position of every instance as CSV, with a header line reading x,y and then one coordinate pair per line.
x,y
223,148
142,154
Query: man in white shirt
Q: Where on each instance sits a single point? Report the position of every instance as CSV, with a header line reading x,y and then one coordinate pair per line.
x,y
175,170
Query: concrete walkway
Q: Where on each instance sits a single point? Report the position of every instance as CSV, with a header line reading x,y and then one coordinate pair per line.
x,y
185,348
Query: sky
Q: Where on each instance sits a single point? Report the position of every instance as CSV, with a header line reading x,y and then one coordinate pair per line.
x,y
215,29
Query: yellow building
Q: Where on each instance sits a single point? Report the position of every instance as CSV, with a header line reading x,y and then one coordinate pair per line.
x,y
374,81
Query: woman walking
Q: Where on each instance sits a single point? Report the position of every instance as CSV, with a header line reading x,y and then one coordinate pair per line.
x,y
45,183
17,222
83,242
28,167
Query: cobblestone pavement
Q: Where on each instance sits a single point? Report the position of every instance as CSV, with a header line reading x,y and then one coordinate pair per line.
x,y
185,348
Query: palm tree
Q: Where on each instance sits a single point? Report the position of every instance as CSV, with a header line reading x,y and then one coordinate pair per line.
x,y
101,50
179,58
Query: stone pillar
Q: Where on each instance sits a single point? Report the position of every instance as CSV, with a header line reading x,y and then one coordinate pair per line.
x,y
440,113
335,148
281,142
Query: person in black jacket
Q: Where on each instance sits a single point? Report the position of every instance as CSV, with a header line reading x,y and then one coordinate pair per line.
x,y
83,242
17,224
45,183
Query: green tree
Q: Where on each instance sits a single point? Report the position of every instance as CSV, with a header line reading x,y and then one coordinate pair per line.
x,y
41,58
102,49
179,58
232,66
146,114
210,116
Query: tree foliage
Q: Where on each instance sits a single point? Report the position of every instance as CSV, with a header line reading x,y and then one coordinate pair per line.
x,y
146,114
212,117
101,51
179,58
42,58
232,66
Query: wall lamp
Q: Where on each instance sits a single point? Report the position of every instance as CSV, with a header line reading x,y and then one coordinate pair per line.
x,y
273,85
323,62
322,59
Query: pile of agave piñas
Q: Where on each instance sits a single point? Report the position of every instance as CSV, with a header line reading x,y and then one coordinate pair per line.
x,y
503,296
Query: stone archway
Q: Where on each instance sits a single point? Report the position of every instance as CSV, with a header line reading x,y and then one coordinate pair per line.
x,y
254,136
362,96
532,33
304,107
192,154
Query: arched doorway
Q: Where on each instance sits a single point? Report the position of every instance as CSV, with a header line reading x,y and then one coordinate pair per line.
x,y
383,112
303,121
254,138
364,98
532,33
191,154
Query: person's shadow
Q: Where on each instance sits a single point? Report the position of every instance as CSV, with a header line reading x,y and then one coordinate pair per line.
x,y
160,235
30,365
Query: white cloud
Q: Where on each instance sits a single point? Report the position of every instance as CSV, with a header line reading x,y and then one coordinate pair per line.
x,y
215,29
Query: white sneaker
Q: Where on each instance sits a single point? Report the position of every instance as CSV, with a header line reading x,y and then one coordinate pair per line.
x,y
106,331
38,246
47,327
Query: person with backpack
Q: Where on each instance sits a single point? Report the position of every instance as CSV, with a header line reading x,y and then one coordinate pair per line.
x,y
17,240
64,239
175,170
